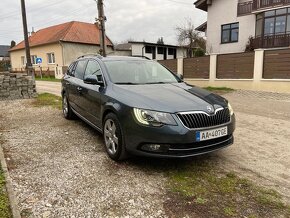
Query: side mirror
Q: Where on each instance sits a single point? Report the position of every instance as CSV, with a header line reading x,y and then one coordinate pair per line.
x,y
180,76
94,80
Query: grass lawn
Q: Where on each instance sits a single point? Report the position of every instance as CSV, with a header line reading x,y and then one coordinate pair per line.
x,y
46,99
219,90
203,189
45,78
5,210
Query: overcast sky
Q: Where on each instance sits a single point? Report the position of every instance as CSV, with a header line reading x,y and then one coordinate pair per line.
x,y
126,19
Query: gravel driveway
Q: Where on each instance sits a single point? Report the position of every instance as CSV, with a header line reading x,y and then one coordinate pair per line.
x,y
59,168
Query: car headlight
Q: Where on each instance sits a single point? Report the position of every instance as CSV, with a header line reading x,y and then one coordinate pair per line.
x,y
153,118
230,109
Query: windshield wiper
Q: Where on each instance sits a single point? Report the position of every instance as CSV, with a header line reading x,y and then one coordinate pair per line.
x,y
157,83
126,83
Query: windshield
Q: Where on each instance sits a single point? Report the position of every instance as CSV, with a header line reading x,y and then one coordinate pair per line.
x,y
139,72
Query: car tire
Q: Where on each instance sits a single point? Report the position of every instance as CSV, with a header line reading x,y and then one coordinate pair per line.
x,y
66,109
113,138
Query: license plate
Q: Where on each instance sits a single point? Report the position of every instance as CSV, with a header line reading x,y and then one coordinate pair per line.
x,y
211,134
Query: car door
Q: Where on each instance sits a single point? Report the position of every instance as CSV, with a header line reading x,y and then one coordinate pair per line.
x,y
91,94
68,79
75,87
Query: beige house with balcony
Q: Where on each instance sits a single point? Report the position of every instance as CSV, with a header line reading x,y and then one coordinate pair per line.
x,y
230,24
58,46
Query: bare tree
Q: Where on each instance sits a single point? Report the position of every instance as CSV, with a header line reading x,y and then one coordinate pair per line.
x,y
160,41
189,38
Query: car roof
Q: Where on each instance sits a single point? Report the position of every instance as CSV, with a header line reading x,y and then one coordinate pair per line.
x,y
123,58
114,58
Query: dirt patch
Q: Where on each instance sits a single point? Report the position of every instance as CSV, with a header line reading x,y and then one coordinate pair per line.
x,y
201,189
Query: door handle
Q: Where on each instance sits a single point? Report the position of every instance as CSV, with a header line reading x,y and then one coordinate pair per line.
x,y
79,89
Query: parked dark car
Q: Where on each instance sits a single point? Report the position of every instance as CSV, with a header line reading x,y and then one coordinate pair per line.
x,y
142,108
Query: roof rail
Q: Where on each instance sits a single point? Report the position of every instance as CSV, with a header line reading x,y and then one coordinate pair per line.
x,y
88,55
141,56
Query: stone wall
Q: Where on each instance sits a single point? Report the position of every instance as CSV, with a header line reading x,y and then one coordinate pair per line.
x,y
16,86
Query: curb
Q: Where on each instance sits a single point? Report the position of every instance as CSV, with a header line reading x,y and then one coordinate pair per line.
x,y
11,196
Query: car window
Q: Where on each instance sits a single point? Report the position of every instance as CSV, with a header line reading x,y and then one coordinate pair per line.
x,y
80,69
139,72
70,70
93,68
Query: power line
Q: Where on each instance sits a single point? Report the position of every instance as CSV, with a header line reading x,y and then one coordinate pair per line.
x,y
185,3
32,10
61,17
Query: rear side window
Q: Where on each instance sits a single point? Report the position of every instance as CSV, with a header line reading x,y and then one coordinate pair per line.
x,y
70,70
80,69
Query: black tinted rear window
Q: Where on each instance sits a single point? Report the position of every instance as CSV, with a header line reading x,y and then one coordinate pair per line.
x,y
80,69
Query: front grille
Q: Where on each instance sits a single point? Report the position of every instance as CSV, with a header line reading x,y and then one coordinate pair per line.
x,y
196,120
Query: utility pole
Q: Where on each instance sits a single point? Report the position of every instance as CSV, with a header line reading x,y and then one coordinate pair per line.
x,y
27,48
102,20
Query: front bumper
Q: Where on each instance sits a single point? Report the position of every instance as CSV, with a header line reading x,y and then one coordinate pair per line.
x,y
178,141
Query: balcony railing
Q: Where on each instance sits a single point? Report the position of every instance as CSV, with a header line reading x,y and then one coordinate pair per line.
x,y
260,4
273,41
245,8
248,7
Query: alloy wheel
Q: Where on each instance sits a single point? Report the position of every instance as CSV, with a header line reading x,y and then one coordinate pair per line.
x,y
111,140
65,106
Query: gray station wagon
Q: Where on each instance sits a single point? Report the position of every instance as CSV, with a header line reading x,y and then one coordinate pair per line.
x,y
142,108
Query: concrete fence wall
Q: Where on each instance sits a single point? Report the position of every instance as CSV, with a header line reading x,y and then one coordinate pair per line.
x,y
16,86
248,71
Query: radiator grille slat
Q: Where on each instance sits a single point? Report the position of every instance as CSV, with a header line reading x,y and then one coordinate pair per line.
x,y
197,120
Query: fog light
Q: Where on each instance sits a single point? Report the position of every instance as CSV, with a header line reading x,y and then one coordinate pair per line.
x,y
155,148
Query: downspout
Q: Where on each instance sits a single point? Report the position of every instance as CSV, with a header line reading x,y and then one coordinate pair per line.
x,y
62,51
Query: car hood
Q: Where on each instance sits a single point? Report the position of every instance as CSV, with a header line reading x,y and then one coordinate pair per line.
x,y
176,97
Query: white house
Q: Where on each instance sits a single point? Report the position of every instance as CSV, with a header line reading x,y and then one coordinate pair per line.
x,y
230,23
153,51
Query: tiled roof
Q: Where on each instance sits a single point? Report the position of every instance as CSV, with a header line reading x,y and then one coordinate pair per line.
x,y
4,50
123,47
74,31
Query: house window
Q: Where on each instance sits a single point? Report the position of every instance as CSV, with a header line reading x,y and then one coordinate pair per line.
x,y
148,49
171,51
50,58
230,33
160,50
275,22
33,59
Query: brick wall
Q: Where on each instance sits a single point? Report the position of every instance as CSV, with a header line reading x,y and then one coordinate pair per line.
x,y
16,86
